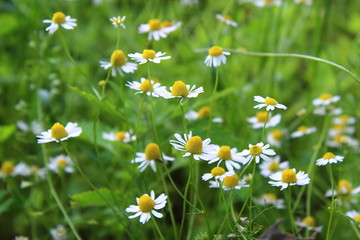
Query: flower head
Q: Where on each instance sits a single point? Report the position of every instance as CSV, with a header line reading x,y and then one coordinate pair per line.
x,y
270,167
59,133
59,19
216,56
147,206
325,99
157,29
267,3
329,157
119,136
151,154
118,64
59,233
144,86
270,199
344,119
269,103
257,151
148,55
170,26
230,180
307,2
230,156
303,130
204,112
179,90
61,163
263,117
7,169
354,215
218,173
118,21
309,223
275,137
226,19
289,177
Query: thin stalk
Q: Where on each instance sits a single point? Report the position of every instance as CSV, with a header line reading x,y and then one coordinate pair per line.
x,y
183,118
194,198
356,229
226,218
212,99
288,199
157,228
263,130
332,203
251,194
118,37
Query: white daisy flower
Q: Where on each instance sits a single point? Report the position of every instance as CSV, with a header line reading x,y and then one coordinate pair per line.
x,y
203,112
323,110
275,137
307,2
303,130
118,21
257,151
268,102
354,215
341,129
61,163
148,158
216,56
309,224
21,238
40,172
118,64
7,169
59,133
227,19
341,140
230,181
329,157
148,55
122,136
22,169
325,99
154,28
267,3
259,120
344,190
230,156
270,167
58,233
179,90
344,119
289,177
218,173
144,86
147,206
170,26
59,19
270,199
193,145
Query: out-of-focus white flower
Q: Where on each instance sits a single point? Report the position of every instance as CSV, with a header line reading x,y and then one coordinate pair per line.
x,y
227,19
58,233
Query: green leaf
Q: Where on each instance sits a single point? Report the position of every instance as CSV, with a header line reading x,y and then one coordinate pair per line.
x,y
93,199
6,131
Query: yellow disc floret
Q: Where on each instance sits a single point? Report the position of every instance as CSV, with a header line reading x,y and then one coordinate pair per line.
x,y
194,145
117,58
146,203
224,153
227,17
270,101
270,196
7,168
61,163
357,217
58,131
154,24
204,112
152,151
277,134
231,181
274,166
288,176
303,128
309,221
146,86
120,135
166,24
325,96
58,18
215,51
217,171
148,54
255,150
179,89
261,116
328,155
344,187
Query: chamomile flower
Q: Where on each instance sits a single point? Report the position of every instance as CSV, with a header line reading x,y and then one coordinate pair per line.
x,y
344,190
59,233
270,199
118,64
227,19
144,86
230,156
269,103
148,55
59,133
21,238
275,137
118,21
257,151
329,157
354,215
289,177
341,129
148,158
59,19
323,110
216,56
204,112
193,145
61,163
218,173
267,3
261,117
147,206
341,140
122,136
154,28
170,26
39,172
230,181
22,169
179,90
344,119
325,99
309,224
270,167
7,169
307,2
303,130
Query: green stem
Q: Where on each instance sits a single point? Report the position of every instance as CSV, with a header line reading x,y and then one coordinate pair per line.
x,y
251,194
183,119
212,99
157,228
118,37
356,229
263,130
332,203
291,216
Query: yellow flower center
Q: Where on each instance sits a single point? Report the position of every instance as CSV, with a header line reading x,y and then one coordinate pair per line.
x,y
215,51
61,163
117,58
194,145
120,135
328,155
339,138
227,17
270,101
288,176
204,112
270,196
277,134
344,118
344,187
152,151
146,86
255,150
217,171
148,54
7,168
274,166
338,127
154,24
146,203
261,116
166,24
309,221
58,18
357,218
224,153
268,1
303,128
58,131
325,96
231,181
179,89
118,20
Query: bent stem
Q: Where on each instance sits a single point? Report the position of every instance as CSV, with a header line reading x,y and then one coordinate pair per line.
x,y
332,209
